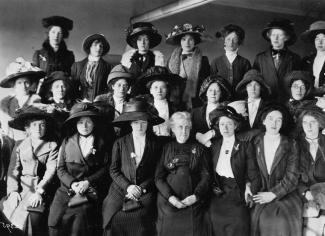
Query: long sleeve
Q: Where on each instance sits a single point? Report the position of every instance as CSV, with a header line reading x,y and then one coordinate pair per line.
x,y
63,174
36,58
203,186
252,169
14,171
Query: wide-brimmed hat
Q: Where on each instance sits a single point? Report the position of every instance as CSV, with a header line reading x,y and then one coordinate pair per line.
x,y
174,37
252,75
283,24
61,21
304,76
223,84
139,28
55,76
91,38
138,109
226,111
119,72
229,29
30,113
314,29
21,68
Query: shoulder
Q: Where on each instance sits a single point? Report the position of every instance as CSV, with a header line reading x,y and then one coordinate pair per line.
x,y
293,54
102,98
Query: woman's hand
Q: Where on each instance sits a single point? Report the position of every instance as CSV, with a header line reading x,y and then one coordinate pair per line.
x,y
83,186
14,199
35,199
134,190
309,196
75,187
190,200
205,138
264,197
248,195
176,203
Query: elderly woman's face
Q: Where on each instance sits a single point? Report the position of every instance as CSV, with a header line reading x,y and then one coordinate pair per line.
x,y
213,93
22,86
181,130
187,43
158,90
55,35
298,90
231,42
227,126
320,42
139,127
278,38
59,89
143,43
310,126
36,129
120,88
253,89
273,122
85,126
96,49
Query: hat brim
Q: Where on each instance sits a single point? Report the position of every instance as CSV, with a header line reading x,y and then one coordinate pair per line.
x,y
136,115
241,86
20,121
309,35
119,75
176,39
75,116
34,76
171,79
292,35
216,115
226,91
89,40
154,38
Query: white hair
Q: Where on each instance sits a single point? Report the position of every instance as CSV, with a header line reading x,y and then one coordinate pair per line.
x,y
180,116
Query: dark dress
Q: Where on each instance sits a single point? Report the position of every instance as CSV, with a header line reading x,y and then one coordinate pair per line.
x,y
182,172
124,172
50,61
228,212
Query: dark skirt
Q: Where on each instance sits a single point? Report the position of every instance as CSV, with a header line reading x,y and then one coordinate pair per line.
x,y
229,215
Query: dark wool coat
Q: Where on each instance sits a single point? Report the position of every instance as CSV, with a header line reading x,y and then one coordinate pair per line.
x,y
78,74
259,109
124,172
283,182
275,79
307,64
50,61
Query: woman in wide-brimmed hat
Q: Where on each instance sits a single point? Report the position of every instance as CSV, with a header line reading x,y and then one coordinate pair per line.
x,y
130,206
235,176
188,62
82,170
23,78
315,63
89,75
278,206
54,55
278,60
142,37
231,65
214,91
31,170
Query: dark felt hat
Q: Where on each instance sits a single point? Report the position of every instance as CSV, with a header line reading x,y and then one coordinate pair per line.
x,y
314,29
139,28
223,83
91,38
175,36
252,75
305,76
55,76
119,72
283,24
30,113
226,111
61,21
229,29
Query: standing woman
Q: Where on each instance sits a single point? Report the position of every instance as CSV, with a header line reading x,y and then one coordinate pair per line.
x,y
278,209
315,63
130,206
82,166
231,65
54,55
188,62
31,170
89,75
235,174
183,180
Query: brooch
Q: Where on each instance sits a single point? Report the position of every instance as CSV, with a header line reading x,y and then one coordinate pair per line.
x,y
236,147
194,150
133,155
42,57
93,151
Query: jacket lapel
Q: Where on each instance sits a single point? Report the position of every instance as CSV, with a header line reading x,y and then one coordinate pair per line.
x,y
76,148
233,157
216,153
285,64
130,148
321,148
260,155
279,154
26,150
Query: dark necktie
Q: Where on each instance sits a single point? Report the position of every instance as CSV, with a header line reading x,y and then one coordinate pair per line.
x,y
277,54
185,56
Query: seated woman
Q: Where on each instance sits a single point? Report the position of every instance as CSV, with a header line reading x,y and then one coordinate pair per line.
x,y
23,78
130,206
235,174
82,170
183,180
32,167
312,166
278,209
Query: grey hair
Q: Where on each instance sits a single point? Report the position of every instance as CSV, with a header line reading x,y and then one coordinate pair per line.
x,y
180,115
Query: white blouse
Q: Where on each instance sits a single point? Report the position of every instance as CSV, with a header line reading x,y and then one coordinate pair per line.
x,y
231,56
223,167
86,143
139,145
271,144
163,110
317,67
252,109
313,147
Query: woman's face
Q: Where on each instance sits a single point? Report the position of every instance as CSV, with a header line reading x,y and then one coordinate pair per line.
x,y
278,38
227,126
187,43
213,93
158,90
143,43
22,86
139,127
320,42
273,122
85,126
55,35
253,89
59,89
298,90
120,88
231,42
181,130
96,49
36,129
310,126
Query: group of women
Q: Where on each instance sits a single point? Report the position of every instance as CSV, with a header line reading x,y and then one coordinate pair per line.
x,y
180,147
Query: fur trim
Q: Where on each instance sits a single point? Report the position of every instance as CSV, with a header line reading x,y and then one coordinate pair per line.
x,y
126,58
159,58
